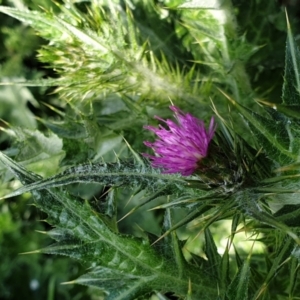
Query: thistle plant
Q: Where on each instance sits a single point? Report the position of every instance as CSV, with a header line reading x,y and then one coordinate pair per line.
x,y
181,148
105,152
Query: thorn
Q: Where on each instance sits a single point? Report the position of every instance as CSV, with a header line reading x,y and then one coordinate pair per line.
x,y
189,289
171,101
272,105
40,231
129,200
287,19
31,252
251,250
139,227
129,213
227,96
258,152
216,111
69,282
53,109
155,208
138,158
117,158
161,237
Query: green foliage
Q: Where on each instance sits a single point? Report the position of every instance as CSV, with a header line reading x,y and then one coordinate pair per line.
x,y
110,67
126,266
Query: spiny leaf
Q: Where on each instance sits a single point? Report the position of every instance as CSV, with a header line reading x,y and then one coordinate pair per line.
x,y
114,174
282,254
212,254
36,82
249,204
238,289
192,198
294,269
224,269
151,197
189,217
44,22
83,234
102,43
289,215
171,243
86,39
292,111
117,285
274,137
221,212
34,149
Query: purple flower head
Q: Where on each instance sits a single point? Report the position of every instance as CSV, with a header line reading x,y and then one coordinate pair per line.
x,y
181,148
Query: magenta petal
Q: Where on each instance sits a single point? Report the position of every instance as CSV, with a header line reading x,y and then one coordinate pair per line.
x,y
180,149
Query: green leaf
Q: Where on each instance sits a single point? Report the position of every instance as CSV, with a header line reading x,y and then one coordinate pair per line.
x,y
89,39
199,210
281,254
292,111
14,108
238,289
171,245
294,269
83,234
37,151
275,136
212,254
118,285
291,86
201,4
224,269
44,22
113,174
249,204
